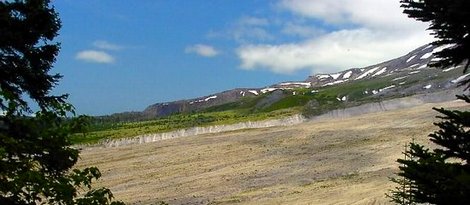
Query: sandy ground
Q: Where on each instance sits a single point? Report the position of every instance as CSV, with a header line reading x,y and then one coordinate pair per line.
x,y
335,161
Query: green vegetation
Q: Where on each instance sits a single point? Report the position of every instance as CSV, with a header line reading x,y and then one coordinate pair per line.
x,y
355,90
36,157
270,105
289,102
245,105
306,101
440,175
170,123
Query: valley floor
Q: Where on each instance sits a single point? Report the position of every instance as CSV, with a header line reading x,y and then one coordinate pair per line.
x,y
333,161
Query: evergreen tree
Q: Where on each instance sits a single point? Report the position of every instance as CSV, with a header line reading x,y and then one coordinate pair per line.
x,y
441,175
450,24
36,156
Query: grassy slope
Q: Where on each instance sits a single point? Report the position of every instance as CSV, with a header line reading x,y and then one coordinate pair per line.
x,y
246,109
174,122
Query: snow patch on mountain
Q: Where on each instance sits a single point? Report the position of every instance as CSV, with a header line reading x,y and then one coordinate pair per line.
x,y
399,78
411,58
254,92
427,55
211,97
335,76
304,84
265,90
449,69
347,75
429,46
344,98
441,48
322,76
380,72
367,73
334,82
422,66
386,88
460,78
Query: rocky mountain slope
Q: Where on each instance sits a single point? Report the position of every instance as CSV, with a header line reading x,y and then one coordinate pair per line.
x,y
381,106
403,76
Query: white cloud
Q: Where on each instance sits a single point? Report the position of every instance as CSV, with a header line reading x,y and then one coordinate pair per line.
x,y
94,56
301,30
336,51
370,31
245,29
202,50
246,34
107,46
250,28
378,14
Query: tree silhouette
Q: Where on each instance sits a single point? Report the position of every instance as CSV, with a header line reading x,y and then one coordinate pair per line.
x,y
449,23
441,175
36,155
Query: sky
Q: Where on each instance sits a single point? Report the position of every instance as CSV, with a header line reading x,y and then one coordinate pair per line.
x,y
119,56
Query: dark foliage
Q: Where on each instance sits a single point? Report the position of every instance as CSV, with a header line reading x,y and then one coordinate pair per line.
x,y
450,24
36,155
441,175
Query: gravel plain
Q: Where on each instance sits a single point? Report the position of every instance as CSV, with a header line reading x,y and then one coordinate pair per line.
x,y
328,161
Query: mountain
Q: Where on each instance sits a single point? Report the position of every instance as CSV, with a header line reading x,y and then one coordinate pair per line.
x,y
402,76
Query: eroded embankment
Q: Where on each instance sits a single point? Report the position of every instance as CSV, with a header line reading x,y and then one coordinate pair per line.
x,y
292,120
393,104
331,161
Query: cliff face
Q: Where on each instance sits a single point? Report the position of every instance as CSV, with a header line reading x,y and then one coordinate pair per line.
x,y
393,104
296,119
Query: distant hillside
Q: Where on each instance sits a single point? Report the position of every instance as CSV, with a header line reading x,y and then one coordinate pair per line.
x,y
402,76
318,94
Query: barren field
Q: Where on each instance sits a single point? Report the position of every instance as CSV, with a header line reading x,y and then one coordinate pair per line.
x,y
334,161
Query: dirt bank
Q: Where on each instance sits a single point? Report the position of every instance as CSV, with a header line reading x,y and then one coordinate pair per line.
x,y
387,105
288,121
398,103
331,161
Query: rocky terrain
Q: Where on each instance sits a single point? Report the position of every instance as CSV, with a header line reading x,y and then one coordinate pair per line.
x,y
345,160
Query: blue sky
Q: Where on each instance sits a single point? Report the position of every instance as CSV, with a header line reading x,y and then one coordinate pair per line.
x,y
121,56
